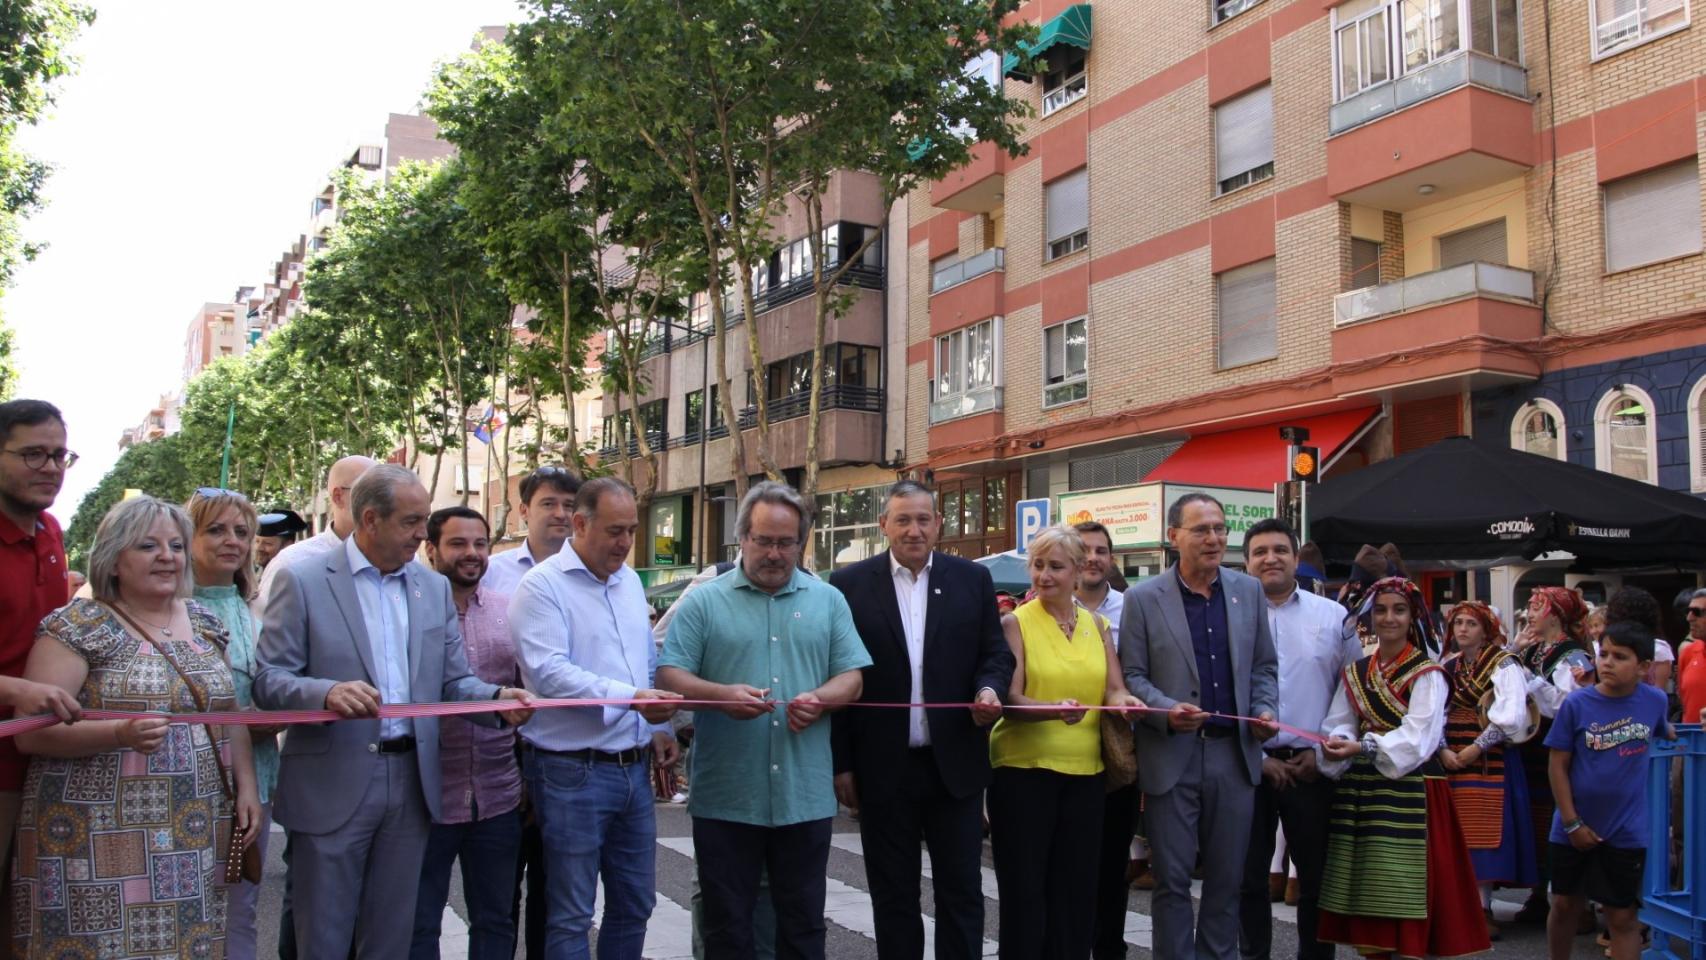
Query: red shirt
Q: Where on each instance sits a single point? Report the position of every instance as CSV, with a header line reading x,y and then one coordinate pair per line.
x,y
1691,680
32,585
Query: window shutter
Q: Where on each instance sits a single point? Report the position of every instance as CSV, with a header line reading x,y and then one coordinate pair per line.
x,y
1054,354
1484,244
1652,216
1244,133
1247,308
1066,205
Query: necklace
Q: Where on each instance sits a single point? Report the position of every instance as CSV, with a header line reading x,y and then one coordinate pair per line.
x,y
165,631
1068,625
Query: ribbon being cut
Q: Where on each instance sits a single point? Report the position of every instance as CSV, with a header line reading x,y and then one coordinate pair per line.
x,y
15,726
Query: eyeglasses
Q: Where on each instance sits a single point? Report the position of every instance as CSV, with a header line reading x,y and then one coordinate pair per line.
x,y
208,493
36,458
1206,529
767,544
1696,612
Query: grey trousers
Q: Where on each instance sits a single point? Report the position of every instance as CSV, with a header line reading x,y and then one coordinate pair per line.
x,y
1208,810
368,870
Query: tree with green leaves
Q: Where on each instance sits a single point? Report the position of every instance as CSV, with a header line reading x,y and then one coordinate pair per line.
x,y
156,468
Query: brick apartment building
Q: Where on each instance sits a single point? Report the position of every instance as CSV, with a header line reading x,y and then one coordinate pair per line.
x,y
1391,221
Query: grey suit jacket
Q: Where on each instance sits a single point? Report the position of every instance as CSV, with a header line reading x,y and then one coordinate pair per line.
x,y
1161,669
313,637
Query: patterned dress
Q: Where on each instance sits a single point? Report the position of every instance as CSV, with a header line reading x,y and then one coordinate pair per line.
x,y
119,854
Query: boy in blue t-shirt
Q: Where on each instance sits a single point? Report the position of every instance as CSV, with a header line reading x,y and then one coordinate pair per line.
x,y
1599,743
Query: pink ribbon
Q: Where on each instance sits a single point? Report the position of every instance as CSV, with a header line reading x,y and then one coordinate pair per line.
x,y
273,718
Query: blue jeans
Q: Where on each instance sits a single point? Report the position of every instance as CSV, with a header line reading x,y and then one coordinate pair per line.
x,y
597,822
488,849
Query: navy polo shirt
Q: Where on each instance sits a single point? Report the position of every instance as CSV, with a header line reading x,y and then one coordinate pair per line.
x,y
1206,617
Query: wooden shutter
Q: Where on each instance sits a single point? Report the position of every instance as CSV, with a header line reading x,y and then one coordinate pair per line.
x,y
1419,423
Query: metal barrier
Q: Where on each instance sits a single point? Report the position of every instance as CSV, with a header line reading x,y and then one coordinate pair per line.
x,y
1676,912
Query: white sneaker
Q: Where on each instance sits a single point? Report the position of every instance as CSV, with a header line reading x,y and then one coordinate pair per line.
x,y
679,797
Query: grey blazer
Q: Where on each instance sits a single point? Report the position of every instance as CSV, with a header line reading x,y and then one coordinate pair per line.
x,y
312,638
1161,669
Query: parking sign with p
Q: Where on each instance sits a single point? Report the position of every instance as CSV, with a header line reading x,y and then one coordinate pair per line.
x,y
1030,517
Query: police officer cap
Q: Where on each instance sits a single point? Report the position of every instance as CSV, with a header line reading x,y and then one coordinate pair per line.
x,y
282,523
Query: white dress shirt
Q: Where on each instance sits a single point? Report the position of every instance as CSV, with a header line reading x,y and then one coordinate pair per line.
x,y
1309,637
505,570
581,637
1403,749
385,612
912,594
1109,609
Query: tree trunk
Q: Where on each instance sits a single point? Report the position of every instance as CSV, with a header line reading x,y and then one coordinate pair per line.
x,y
570,445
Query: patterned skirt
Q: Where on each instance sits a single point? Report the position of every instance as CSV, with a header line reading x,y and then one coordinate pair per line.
x,y
1492,806
1398,878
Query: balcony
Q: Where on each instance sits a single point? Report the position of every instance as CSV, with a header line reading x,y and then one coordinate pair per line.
x,y
796,405
658,440
969,268
1432,289
1473,321
1466,68
978,187
969,403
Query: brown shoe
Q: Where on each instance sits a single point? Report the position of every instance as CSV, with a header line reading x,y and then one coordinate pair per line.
x,y
1144,881
1492,927
1293,891
1276,887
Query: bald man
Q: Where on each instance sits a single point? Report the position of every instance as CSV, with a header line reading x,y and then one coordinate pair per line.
x,y
339,480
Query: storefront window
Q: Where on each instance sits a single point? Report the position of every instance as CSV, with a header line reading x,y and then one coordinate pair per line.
x,y
846,527
995,504
951,514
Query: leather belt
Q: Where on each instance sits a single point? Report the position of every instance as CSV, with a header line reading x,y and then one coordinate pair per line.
x,y
1210,731
397,745
622,758
1285,753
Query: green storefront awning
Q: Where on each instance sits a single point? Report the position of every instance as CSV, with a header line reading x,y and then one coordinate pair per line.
x,y
1072,27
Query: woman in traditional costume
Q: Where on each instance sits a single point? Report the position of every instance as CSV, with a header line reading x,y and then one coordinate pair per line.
x,y
1486,717
1398,881
1555,653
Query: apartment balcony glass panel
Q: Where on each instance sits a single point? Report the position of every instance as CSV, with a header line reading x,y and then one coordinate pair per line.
x,y
965,404
1391,54
968,268
1429,289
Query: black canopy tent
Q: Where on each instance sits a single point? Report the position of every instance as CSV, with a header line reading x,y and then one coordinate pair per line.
x,y
1458,500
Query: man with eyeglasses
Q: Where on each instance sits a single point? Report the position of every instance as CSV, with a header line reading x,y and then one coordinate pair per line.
x,y
33,583
1195,641
763,792
1691,663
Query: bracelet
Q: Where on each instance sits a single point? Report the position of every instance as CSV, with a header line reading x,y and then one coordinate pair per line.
x,y
1370,749
1573,825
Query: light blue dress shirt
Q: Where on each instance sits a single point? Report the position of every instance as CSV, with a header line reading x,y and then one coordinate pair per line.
x,y
385,612
505,570
1313,652
579,637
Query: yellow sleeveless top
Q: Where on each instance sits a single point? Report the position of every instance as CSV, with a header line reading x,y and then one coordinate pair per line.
x,y
1056,670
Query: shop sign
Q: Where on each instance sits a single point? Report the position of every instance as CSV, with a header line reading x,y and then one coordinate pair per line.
x,y
1244,508
1133,515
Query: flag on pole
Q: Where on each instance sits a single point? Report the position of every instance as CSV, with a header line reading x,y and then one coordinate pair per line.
x,y
488,425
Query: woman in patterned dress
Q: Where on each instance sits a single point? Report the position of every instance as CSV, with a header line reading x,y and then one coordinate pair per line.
x,y
1480,753
1398,880
224,523
124,825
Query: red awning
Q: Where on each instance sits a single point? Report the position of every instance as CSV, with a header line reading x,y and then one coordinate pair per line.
x,y
1254,457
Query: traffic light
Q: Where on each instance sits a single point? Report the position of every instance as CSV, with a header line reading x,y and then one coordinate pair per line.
x,y
1306,464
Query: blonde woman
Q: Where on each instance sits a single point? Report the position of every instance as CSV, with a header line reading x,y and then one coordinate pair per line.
x,y
1045,802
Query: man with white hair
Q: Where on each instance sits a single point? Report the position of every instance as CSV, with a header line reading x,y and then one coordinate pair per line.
x,y
339,480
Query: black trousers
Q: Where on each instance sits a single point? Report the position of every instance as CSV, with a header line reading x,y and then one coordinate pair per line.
x,y
922,809
530,872
730,857
1044,827
1113,889
1302,808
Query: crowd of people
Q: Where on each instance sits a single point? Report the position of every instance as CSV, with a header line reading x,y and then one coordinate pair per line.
x,y
1412,764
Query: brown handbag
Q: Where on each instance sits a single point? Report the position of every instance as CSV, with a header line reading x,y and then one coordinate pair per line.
x,y
242,860
1119,751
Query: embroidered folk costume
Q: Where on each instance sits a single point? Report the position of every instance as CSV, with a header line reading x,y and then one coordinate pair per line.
x,y
1551,678
1398,879
1488,707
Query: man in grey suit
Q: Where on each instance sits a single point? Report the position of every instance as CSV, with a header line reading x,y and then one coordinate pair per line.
x,y
362,625
1195,641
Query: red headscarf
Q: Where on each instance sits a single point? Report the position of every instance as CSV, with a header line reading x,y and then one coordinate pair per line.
x,y
1567,605
1490,626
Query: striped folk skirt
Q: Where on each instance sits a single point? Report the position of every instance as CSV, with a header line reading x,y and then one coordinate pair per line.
x,y
1492,804
1398,878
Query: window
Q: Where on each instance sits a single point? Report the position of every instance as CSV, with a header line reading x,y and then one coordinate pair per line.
x,y
1625,435
699,312
845,530
1480,244
1363,45
1697,437
1244,139
1539,429
1494,29
1247,300
1066,354
1430,31
1620,24
1227,9
1365,264
1066,214
1066,83
985,67
695,416
965,359
1652,216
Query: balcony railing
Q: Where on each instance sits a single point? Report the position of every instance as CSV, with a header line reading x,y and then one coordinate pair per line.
x,y
1464,68
969,268
955,406
1431,289
796,405
658,439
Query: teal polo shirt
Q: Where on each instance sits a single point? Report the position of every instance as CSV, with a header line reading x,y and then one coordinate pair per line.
x,y
728,631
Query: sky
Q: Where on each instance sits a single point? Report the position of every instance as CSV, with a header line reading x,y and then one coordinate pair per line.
x,y
186,150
